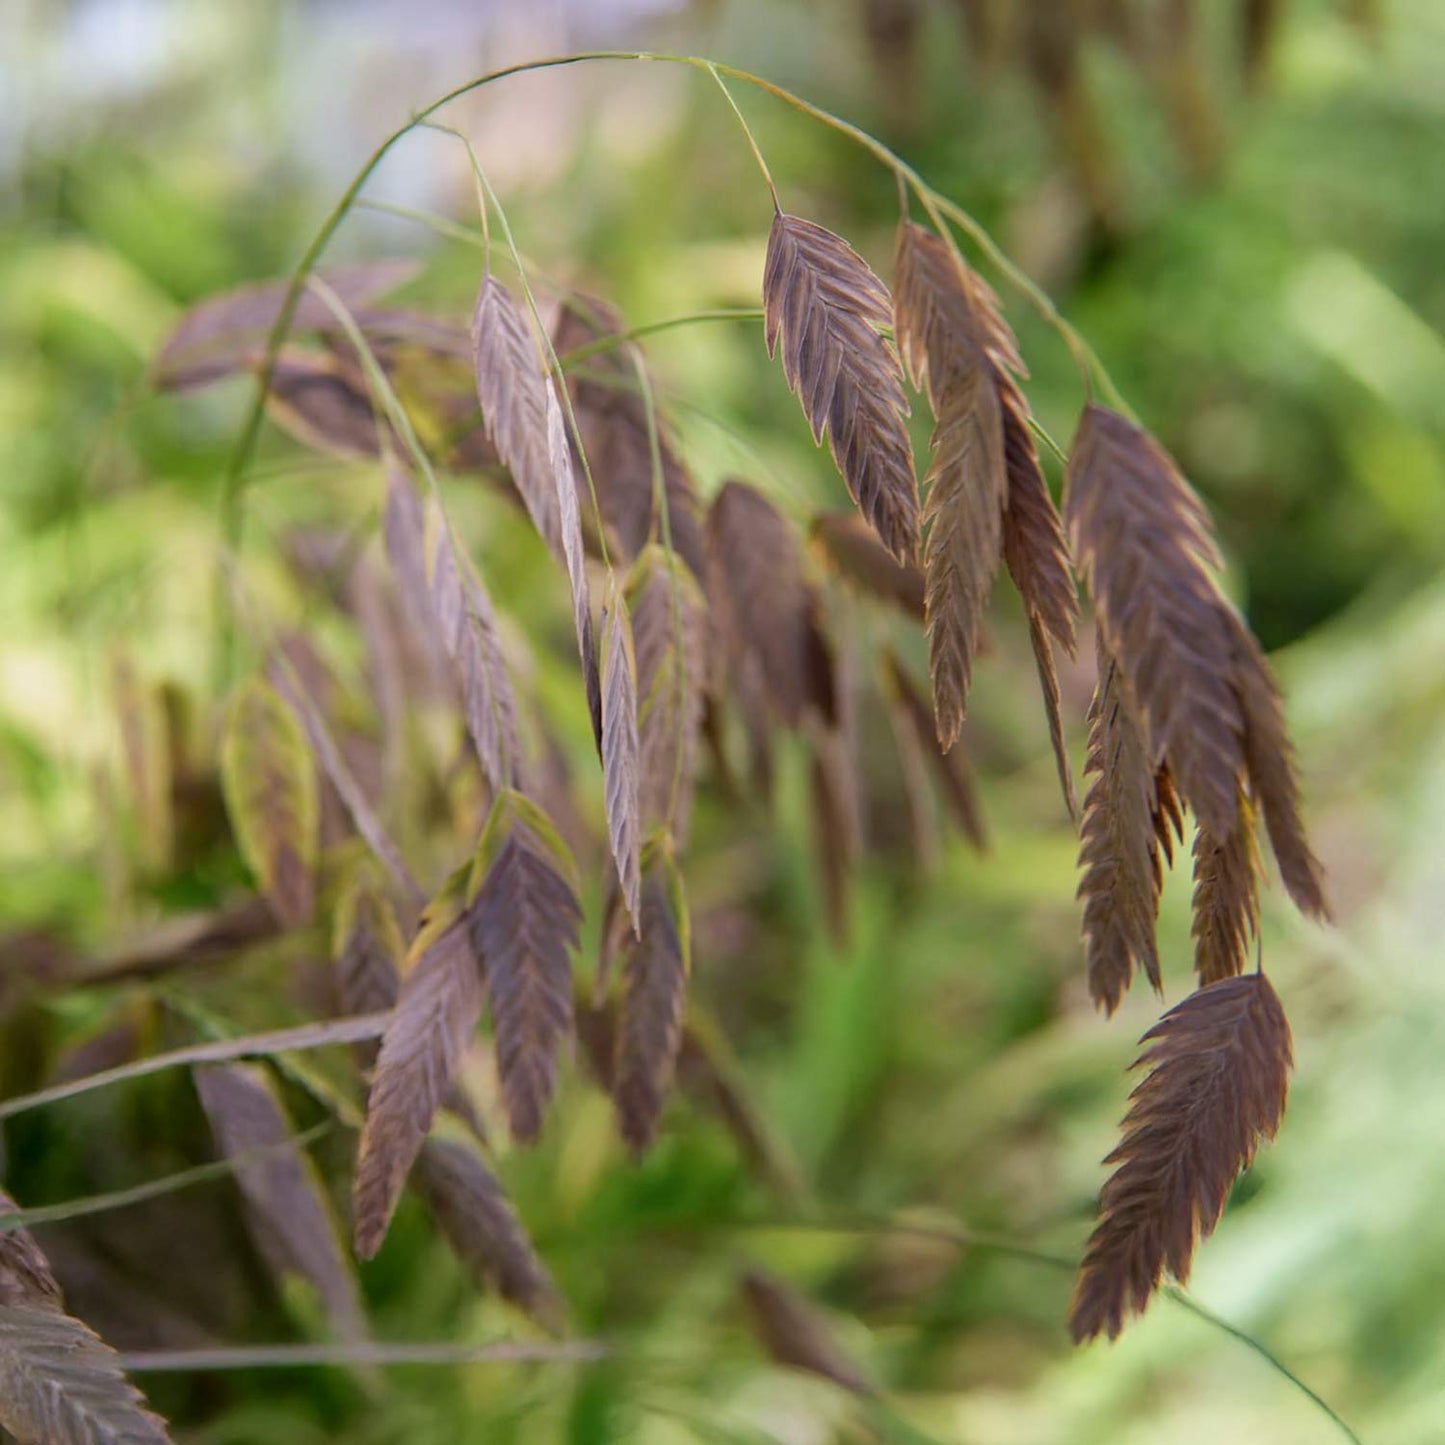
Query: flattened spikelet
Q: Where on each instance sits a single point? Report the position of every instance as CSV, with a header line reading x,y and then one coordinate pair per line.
x,y
945,344
1218,1074
670,635
1226,898
1053,707
620,748
348,790
524,923
403,532
468,626
828,310
963,523
1269,759
950,769
649,1028
368,950
794,1332
711,1076
220,333
512,391
472,1210
1034,548
1124,840
60,1384
933,317
324,403
26,1279
1197,680
448,598
913,771
436,1014
766,611
1144,544
570,526
272,797
287,1207
837,825
856,554
1037,558
367,947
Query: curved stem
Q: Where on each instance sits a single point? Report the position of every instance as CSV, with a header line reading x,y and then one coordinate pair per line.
x,y
350,1030
752,143
965,1238
937,206
233,482
614,339
1217,1322
157,1188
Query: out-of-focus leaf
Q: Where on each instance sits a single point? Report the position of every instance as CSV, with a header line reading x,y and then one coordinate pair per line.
x,y
272,797
795,1332
211,338
290,1215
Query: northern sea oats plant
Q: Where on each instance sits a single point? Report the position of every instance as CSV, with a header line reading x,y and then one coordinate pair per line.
x,y
697,624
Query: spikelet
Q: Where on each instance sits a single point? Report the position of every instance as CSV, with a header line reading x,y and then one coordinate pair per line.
x,y
523,919
828,311
512,390
654,986
966,489
1218,1073
1126,837
435,1016
766,612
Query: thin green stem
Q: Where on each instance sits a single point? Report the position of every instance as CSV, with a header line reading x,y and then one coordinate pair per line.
x,y
752,142
234,480
936,206
1268,1356
441,225
363,1353
679,403
1043,434
155,1188
275,1041
615,339
965,1237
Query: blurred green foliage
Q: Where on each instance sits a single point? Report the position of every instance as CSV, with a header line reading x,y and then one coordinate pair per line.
x,y
1279,323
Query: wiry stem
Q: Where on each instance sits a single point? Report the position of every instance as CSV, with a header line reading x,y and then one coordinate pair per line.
x,y
752,143
363,1353
233,483
964,1237
487,198
615,339
157,1188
